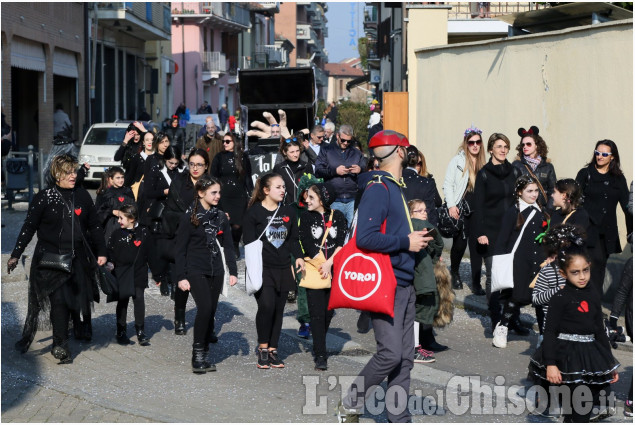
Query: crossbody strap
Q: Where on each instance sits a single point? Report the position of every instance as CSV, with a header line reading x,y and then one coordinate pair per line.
x,y
542,190
567,217
72,211
269,224
326,230
531,215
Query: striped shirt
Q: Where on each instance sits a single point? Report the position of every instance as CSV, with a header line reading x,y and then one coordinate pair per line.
x,y
547,284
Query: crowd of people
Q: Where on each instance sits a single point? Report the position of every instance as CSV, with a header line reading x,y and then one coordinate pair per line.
x,y
184,215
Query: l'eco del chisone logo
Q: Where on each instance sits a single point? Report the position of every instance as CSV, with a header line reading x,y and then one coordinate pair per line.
x,y
360,280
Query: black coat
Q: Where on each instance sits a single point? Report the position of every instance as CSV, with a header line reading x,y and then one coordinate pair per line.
x,y
493,196
111,199
424,188
529,253
602,193
546,176
180,198
126,152
128,251
291,174
177,138
579,217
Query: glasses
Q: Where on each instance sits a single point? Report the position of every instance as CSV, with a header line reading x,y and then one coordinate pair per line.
x,y
528,144
193,165
274,125
603,154
345,140
474,142
503,147
418,211
295,139
228,141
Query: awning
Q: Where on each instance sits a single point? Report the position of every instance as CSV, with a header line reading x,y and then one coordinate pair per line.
x,y
65,64
357,81
27,54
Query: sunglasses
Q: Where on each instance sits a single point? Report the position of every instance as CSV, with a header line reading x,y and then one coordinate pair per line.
x,y
227,142
475,142
295,139
528,144
274,125
602,154
346,141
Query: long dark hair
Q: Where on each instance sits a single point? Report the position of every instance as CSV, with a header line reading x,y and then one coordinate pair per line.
x,y
572,190
263,182
200,152
172,152
614,166
158,138
201,185
238,153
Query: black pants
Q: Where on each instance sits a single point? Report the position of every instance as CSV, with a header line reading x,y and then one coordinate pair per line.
x,y
476,254
180,297
60,315
139,308
599,258
540,318
269,316
510,307
318,300
205,291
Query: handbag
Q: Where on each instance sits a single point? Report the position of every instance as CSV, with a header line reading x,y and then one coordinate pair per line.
x,y
61,262
311,277
363,280
253,261
225,290
503,264
108,283
449,227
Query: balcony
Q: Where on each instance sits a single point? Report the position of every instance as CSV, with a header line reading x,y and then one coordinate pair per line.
x,y
303,32
370,17
214,65
470,10
146,21
276,56
228,17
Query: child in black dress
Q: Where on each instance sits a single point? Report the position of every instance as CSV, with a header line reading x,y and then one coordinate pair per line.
x,y
111,196
576,350
128,252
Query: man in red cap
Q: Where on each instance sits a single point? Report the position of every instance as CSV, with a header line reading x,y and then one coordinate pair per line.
x,y
383,200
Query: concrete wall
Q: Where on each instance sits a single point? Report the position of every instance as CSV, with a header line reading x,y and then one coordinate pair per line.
x,y
576,85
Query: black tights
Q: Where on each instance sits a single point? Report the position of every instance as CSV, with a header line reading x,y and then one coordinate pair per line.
x,y
60,315
511,308
318,302
139,308
180,298
205,291
269,316
237,232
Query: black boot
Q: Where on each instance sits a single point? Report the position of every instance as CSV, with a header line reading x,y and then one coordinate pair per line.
x,y
516,326
199,360
456,281
321,363
142,339
122,337
179,321
429,343
62,353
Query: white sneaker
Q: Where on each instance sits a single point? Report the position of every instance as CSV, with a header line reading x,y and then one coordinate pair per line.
x,y
500,336
539,342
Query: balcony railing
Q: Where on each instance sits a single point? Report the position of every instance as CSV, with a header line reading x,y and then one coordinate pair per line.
x,y
228,11
370,15
214,62
275,55
471,10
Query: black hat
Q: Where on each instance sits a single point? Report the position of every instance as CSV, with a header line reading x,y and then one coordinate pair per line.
x,y
326,192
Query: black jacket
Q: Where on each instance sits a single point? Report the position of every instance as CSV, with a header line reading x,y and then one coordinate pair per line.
x,y
312,227
546,176
331,157
111,199
177,138
129,248
579,217
493,196
419,187
291,174
602,193
126,152
180,198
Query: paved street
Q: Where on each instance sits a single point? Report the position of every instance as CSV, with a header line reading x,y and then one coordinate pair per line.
x,y
111,383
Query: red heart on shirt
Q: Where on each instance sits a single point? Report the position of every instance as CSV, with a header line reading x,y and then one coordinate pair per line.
x,y
121,198
78,211
328,224
285,219
207,149
584,307
220,232
137,243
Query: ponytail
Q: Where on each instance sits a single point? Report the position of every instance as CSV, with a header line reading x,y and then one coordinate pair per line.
x,y
258,195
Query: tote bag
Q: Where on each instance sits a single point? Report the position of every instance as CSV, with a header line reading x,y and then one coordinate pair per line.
x,y
225,290
363,280
503,264
253,262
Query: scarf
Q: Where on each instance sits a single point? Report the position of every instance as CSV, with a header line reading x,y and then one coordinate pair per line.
x,y
533,162
211,222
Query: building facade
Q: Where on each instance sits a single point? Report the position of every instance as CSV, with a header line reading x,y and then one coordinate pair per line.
x,y
343,72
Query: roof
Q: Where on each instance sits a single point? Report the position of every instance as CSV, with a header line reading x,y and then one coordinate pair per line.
x,y
339,69
565,16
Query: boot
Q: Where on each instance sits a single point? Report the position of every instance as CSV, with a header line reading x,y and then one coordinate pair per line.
x,y
516,326
142,339
179,321
62,353
199,362
122,337
456,281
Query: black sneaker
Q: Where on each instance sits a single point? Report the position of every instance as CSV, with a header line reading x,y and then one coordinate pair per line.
x,y
263,358
62,354
274,360
320,363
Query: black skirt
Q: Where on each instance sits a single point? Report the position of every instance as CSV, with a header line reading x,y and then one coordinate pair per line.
x,y
579,362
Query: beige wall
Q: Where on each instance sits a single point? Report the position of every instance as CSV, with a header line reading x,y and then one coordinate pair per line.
x,y
426,27
576,85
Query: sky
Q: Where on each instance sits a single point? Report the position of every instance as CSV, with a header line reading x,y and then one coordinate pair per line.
x,y
344,29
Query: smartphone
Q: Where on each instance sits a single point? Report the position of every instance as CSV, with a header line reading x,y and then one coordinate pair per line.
x,y
432,232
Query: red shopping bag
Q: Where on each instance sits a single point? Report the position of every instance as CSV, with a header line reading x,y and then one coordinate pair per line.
x,y
363,280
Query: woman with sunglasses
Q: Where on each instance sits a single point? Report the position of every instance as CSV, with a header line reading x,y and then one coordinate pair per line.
x,y
291,168
232,168
532,161
180,197
458,187
604,186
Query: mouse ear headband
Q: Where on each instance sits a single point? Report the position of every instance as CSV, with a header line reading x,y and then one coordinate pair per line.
x,y
533,131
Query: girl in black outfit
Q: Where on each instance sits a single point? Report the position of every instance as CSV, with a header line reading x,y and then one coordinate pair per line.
x,y
279,226
567,197
156,192
128,252
131,144
528,256
316,221
604,186
111,198
532,160
233,170
493,195
61,215
136,168
201,233
576,349
181,195
176,134
291,169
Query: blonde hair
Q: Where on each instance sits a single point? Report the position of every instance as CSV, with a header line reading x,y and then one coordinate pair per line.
x,y
63,164
412,204
472,167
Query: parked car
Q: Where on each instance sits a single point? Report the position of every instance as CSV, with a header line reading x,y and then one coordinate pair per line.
x,y
100,144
